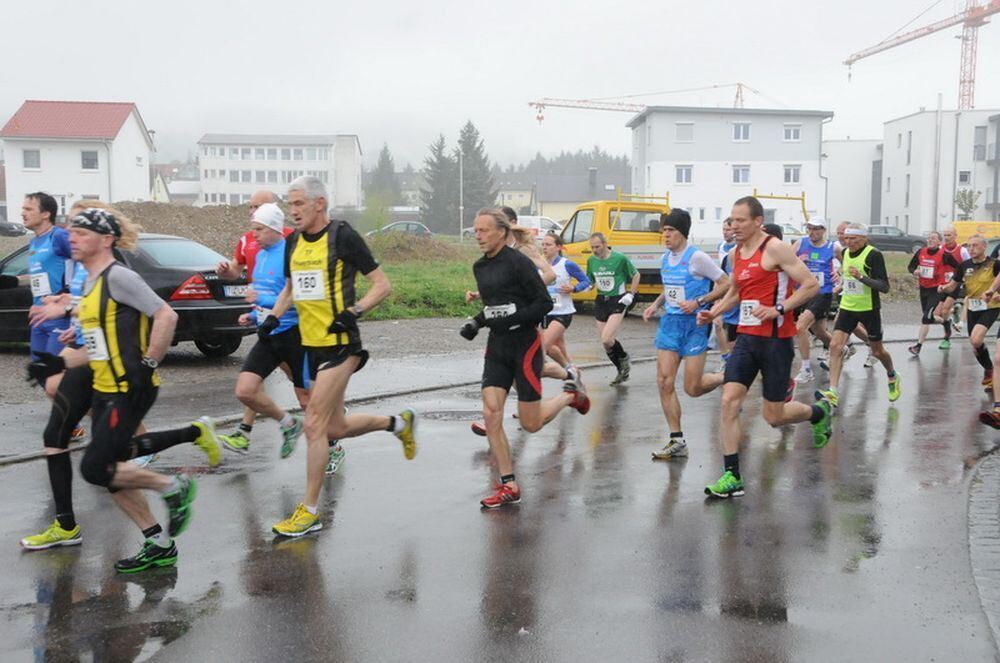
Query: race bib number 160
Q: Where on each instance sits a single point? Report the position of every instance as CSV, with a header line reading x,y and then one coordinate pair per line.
x,y
307,286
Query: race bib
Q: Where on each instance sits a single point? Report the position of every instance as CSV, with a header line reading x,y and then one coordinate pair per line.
x,y
605,283
96,344
674,294
40,285
308,286
821,277
747,318
262,314
976,304
926,271
853,287
501,311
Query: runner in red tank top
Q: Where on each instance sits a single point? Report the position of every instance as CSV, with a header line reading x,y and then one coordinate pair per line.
x,y
764,268
946,311
930,264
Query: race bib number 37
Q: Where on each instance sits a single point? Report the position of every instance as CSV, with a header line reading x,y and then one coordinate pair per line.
x,y
308,286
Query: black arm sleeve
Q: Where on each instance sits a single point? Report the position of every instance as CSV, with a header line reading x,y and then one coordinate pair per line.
x,y
540,303
912,267
879,279
959,276
949,260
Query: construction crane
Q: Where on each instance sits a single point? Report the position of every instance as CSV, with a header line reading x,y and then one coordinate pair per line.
x,y
608,103
974,17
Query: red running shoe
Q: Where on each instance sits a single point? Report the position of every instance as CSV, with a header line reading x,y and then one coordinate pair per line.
x,y
791,391
479,428
991,418
581,402
505,494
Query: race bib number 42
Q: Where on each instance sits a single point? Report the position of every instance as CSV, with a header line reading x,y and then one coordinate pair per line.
x,y
747,307
674,294
308,286
96,344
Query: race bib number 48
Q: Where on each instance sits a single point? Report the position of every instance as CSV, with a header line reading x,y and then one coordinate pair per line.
x,y
96,344
747,307
308,286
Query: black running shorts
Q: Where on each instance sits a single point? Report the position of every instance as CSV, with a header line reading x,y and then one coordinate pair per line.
x,y
115,418
771,357
985,318
515,358
320,359
819,305
565,320
929,299
848,321
284,348
605,307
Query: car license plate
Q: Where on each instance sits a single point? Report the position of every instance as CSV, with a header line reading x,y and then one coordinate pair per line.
x,y
235,290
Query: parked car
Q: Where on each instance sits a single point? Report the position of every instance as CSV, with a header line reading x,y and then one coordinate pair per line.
x,y
891,238
408,227
790,233
180,270
12,228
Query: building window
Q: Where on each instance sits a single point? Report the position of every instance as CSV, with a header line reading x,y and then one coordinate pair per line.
x,y
296,154
234,153
88,159
245,198
718,213
741,174
649,134
323,176
888,184
286,154
906,202
258,154
684,132
793,133
138,161
683,174
909,146
899,143
272,177
32,158
792,174
741,132
234,199
649,176
245,153
310,154
260,177
964,177
245,176
701,213
272,154
221,175
204,174
234,176
324,154
979,144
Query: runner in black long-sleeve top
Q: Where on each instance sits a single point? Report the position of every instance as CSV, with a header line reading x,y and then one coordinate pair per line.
x,y
514,302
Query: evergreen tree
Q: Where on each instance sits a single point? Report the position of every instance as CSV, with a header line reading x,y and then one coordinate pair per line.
x,y
439,198
384,184
477,176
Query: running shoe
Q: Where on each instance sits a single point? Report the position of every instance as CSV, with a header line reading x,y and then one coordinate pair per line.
x,y
945,344
991,418
828,395
790,392
337,455
408,435
870,360
574,381
804,375
894,388
987,378
956,324
726,486
504,493
207,440
290,436
299,523
824,363
580,402
479,428
54,536
675,448
722,362
823,428
179,504
824,354
915,349
626,368
79,434
151,555
143,461
848,351
238,442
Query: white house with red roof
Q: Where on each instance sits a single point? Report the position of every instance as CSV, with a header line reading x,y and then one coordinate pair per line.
x,y
76,149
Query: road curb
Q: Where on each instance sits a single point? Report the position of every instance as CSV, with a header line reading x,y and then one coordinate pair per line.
x,y
983,521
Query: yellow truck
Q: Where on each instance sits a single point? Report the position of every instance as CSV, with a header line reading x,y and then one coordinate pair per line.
x,y
632,226
966,229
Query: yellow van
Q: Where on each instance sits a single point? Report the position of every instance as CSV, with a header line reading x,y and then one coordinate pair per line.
x,y
632,226
966,229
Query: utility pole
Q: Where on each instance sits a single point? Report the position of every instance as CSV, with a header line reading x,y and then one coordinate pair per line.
x,y
461,195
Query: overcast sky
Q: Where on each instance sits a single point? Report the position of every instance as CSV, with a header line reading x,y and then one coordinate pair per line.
x,y
403,72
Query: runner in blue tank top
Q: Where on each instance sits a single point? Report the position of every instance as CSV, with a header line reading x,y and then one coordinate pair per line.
x,y
818,254
688,275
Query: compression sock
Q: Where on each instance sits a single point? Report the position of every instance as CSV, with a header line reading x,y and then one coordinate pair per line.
x,y
732,464
612,353
152,443
246,429
947,328
983,357
61,479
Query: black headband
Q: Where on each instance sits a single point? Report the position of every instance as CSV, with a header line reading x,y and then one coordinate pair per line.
x,y
98,221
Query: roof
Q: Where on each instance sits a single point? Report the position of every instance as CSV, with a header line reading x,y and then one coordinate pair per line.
x,y
267,139
725,111
89,120
576,188
183,188
944,111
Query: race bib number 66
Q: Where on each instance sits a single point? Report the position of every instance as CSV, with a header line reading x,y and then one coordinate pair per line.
x,y
308,285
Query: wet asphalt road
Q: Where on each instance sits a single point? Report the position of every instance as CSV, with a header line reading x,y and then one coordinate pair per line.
x,y
858,551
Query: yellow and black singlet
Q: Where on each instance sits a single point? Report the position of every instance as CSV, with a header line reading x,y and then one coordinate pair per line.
x,y
322,268
977,279
116,336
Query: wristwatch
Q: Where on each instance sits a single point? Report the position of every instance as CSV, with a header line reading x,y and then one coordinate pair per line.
x,y
780,308
68,309
149,362
358,310
700,301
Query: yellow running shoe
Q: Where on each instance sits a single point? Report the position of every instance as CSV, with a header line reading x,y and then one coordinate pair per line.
x,y
299,523
894,388
408,435
54,536
208,441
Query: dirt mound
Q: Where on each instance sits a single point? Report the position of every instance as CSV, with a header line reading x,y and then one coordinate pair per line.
x,y
218,226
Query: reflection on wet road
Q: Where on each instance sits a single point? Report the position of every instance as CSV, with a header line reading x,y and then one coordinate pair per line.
x,y
854,552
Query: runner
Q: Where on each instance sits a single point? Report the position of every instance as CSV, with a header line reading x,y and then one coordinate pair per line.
x,y
722,334
839,247
127,329
322,261
989,417
976,276
763,271
929,264
947,308
610,271
558,320
865,277
818,254
515,301
728,242
687,274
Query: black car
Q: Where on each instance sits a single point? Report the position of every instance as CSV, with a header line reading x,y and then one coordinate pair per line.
x,y
891,238
12,228
180,270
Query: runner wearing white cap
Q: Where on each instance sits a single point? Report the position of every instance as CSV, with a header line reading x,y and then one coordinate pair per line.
x,y
818,253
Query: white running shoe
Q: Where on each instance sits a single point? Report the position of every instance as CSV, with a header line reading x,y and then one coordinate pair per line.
x,y
805,375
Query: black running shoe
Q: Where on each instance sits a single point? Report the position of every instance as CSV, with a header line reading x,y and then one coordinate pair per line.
x,y
150,556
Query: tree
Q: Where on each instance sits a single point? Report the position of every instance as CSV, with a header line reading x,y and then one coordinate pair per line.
x,y
439,198
384,184
967,200
477,174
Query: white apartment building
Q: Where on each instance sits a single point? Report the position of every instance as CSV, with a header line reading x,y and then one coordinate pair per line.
x,y
853,171
708,157
233,166
77,149
930,155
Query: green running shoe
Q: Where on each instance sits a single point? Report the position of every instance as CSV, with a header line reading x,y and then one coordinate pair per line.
x,y
727,486
944,345
237,442
823,428
894,388
151,555
337,455
291,436
179,504
54,536
828,395
207,440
